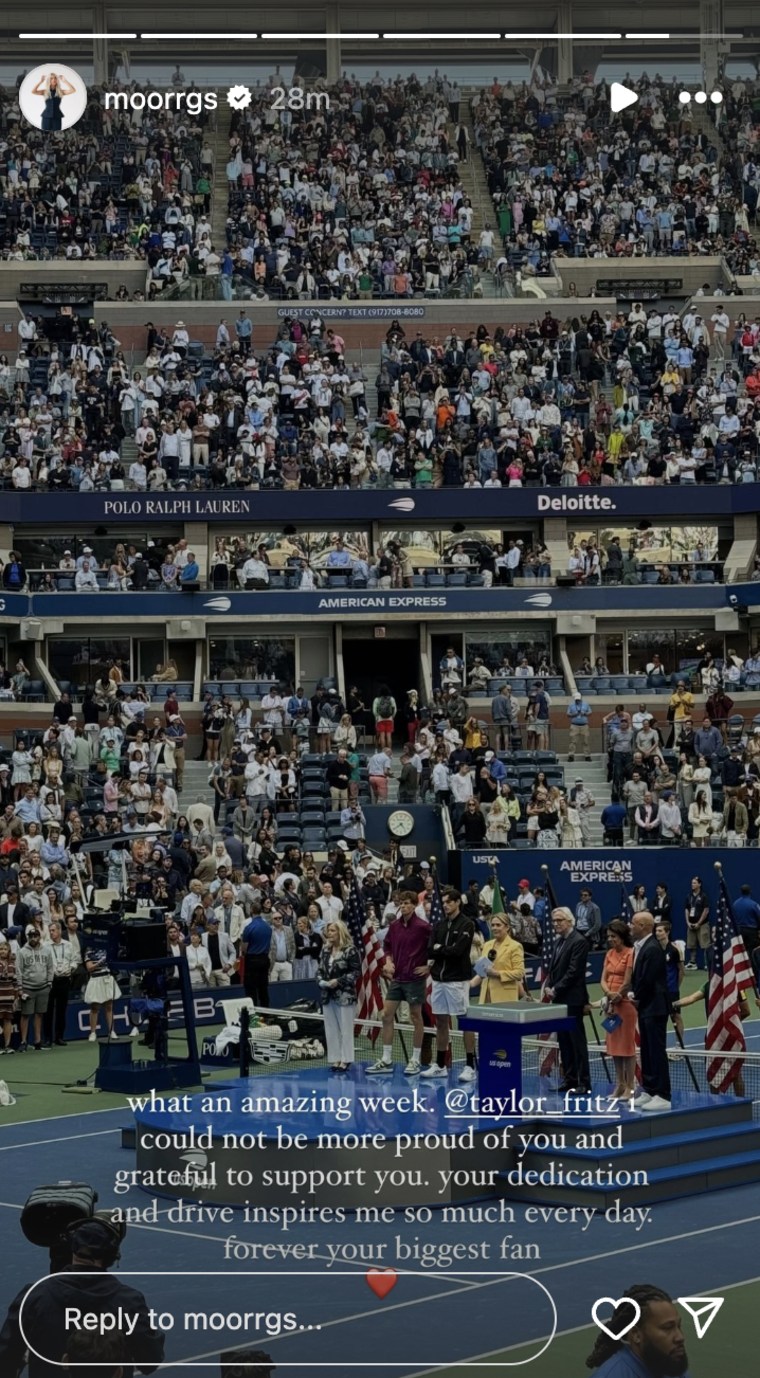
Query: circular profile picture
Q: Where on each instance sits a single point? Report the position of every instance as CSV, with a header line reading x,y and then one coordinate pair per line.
x,y
52,97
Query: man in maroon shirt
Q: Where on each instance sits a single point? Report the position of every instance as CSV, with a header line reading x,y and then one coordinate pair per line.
x,y
406,970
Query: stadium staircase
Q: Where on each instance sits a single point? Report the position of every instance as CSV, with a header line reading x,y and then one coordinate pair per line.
x,y
472,176
128,452
220,146
594,775
703,1144
704,123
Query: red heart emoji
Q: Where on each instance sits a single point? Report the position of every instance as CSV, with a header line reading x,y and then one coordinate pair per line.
x,y
382,1281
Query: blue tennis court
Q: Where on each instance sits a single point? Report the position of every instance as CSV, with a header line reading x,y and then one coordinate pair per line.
x,y
432,1319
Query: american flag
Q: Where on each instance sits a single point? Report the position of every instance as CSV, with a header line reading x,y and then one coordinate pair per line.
x,y
551,1056
731,976
436,917
436,904
368,991
547,937
626,911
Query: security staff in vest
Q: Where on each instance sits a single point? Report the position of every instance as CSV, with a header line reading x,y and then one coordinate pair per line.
x,y
85,1285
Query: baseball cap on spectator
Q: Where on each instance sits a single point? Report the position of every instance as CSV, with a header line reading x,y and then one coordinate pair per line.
x,y
424,865
523,885
343,846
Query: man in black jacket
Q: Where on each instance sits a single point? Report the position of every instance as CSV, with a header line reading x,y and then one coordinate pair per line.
x,y
84,1285
14,912
566,985
649,991
451,969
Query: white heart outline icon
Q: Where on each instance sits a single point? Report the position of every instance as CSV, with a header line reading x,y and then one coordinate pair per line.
x,y
615,1302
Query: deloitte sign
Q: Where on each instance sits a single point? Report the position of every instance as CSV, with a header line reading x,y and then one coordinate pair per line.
x,y
585,502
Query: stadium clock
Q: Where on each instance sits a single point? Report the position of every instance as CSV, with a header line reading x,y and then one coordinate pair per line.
x,y
400,823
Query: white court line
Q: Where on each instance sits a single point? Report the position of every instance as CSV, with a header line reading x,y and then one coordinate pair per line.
x,y
560,1335
63,1139
499,1281
50,1119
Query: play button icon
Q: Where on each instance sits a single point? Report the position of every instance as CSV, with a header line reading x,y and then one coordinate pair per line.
x,y
621,97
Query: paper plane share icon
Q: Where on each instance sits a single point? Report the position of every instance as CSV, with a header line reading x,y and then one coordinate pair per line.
x,y
702,1310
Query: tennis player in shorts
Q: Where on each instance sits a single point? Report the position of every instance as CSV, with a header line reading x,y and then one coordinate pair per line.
x,y
451,970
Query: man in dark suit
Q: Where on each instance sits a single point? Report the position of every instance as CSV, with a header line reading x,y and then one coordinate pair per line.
x,y
649,992
14,913
566,985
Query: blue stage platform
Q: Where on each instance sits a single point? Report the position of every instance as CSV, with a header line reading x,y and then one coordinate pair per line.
x,y
353,1140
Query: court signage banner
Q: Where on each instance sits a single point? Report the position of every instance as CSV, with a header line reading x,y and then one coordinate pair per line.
x,y
374,603
207,1007
503,505
608,872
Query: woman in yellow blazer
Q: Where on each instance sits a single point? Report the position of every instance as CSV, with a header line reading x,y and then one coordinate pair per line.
x,y
502,983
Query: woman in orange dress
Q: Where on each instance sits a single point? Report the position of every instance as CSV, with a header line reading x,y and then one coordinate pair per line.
x,y
616,983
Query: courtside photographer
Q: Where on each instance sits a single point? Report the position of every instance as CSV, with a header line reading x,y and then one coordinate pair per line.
x,y
83,1246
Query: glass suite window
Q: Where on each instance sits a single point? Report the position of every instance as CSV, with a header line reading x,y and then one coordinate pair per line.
x,y
252,658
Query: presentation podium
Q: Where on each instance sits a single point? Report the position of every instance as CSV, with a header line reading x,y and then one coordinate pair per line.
x,y
501,1030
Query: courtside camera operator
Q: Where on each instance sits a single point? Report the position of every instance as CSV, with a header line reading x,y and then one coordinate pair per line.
x,y
86,1285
